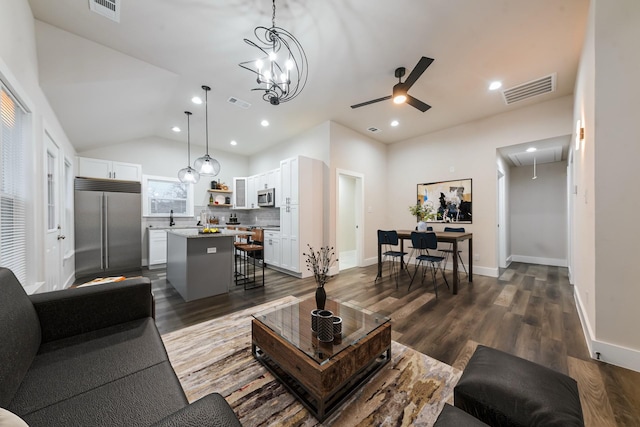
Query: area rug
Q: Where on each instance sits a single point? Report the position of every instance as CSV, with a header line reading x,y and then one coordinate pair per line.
x,y
215,356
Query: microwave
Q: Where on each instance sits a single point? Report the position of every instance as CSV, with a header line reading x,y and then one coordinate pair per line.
x,y
267,197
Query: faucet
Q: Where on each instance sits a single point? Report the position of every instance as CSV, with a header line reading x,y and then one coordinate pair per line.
x,y
171,221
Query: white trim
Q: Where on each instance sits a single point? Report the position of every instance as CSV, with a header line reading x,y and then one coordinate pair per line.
x,y
509,260
609,353
69,281
32,289
558,262
360,221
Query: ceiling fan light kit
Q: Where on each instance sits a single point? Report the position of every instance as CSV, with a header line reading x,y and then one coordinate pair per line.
x,y
400,90
282,70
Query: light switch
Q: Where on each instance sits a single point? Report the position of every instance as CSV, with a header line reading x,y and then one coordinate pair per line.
x,y
211,250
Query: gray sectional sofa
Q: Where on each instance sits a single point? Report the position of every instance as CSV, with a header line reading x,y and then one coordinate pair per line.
x,y
92,356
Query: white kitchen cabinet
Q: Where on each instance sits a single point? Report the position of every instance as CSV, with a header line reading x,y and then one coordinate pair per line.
x,y
252,193
289,181
157,248
272,252
107,169
240,192
261,181
301,211
273,181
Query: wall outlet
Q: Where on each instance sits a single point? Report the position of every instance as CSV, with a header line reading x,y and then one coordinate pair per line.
x,y
476,257
211,250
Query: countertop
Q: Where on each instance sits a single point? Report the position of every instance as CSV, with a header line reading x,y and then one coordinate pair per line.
x,y
193,233
221,226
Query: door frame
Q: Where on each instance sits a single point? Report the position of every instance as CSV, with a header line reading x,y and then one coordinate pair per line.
x,y
359,212
53,235
502,219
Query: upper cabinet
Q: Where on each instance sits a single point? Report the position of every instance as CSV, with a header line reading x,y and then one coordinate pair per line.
x,y
240,192
107,169
289,182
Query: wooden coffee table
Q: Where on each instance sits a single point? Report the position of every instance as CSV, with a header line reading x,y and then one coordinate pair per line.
x,y
321,375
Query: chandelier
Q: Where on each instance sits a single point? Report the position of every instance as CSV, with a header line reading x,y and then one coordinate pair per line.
x,y
206,165
188,175
282,68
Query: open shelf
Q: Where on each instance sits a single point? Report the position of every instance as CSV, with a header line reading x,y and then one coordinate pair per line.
x,y
219,191
219,205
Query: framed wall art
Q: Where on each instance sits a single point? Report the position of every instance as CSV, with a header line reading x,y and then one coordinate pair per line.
x,y
445,201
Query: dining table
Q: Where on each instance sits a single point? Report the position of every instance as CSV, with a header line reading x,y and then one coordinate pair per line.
x,y
453,237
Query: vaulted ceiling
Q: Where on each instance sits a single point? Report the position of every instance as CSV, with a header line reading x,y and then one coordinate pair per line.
x,y
112,82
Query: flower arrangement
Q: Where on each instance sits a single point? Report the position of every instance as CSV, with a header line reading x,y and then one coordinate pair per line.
x,y
425,212
319,262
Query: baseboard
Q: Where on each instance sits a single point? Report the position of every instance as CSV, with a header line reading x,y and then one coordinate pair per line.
x,y
509,260
558,262
603,351
33,288
69,281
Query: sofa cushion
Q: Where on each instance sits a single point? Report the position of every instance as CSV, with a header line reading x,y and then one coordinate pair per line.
x,y
501,389
454,417
19,335
141,399
79,364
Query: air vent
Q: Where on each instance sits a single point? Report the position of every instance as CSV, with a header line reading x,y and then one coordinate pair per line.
x,y
238,102
374,129
107,8
529,90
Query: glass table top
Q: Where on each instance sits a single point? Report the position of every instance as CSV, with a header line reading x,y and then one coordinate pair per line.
x,y
293,323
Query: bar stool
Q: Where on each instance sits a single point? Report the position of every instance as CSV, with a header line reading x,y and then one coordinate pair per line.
x,y
249,256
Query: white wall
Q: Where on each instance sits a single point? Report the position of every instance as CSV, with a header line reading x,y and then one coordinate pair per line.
x,y
354,152
538,214
313,143
19,71
605,167
470,151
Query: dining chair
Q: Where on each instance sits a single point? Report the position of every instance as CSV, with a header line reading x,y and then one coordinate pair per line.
x,y
388,239
449,250
422,242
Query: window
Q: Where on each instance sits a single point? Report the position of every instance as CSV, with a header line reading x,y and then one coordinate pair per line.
x,y
161,195
13,212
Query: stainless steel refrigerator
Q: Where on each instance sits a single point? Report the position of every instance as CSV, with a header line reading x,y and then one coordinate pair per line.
x,y
107,227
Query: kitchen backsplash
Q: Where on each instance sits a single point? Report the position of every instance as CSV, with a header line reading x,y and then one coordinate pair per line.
x,y
254,217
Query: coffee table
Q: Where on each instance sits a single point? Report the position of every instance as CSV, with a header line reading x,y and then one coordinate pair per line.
x,y
321,375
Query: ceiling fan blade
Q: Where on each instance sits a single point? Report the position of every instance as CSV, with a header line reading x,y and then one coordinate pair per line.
x,y
417,71
417,103
362,104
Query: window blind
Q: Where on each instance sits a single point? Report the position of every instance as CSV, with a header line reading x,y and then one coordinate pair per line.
x,y
13,212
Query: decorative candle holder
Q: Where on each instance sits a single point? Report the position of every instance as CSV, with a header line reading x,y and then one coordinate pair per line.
x,y
314,320
325,326
337,326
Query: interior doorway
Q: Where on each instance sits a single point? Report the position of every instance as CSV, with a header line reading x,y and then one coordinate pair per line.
x,y
502,226
349,219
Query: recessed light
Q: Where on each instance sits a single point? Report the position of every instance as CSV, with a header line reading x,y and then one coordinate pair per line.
x,y
175,129
264,123
233,142
495,85
395,123
531,149
196,100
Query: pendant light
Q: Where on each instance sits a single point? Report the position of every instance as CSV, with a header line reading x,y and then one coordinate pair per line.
x,y
188,175
206,165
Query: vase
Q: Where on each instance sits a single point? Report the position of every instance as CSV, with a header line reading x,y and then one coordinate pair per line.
x,y
321,298
325,326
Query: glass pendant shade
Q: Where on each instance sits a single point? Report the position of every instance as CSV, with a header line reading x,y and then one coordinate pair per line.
x,y
188,175
207,165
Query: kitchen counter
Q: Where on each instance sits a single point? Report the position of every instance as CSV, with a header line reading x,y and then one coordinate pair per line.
x,y
200,265
194,234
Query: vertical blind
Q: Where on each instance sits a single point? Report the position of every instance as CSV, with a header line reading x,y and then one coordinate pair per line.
x,y
13,212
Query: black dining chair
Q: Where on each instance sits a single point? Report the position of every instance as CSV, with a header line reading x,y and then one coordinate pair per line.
x,y
422,242
388,239
449,250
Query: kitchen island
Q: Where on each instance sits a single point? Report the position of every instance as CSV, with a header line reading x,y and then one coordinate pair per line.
x,y
200,265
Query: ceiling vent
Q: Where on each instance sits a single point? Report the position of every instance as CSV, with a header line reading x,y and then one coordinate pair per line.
x,y
530,89
238,102
107,8
373,129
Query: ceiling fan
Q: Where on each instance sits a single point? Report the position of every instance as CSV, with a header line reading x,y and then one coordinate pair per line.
x,y
400,89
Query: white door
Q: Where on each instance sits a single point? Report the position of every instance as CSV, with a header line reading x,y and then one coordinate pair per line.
x,y
54,234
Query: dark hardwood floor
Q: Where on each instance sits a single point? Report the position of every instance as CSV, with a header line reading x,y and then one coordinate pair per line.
x,y
528,311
